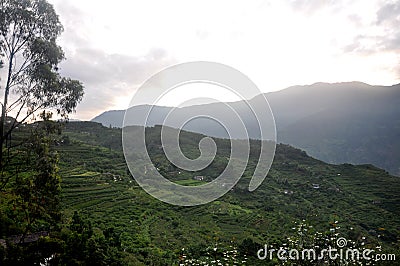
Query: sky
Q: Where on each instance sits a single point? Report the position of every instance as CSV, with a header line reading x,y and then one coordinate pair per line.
x,y
114,46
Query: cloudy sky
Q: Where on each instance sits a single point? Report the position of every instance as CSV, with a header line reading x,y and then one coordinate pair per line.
x,y
114,46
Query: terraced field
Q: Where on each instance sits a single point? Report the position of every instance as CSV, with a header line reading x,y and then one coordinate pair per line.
x,y
96,183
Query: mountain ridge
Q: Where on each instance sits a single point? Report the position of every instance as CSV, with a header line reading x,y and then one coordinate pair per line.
x,y
346,122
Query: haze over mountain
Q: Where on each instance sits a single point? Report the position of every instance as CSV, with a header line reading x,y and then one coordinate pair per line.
x,y
349,122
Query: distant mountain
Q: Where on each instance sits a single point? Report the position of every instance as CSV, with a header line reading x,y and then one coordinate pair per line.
x,y
113,118
342,122
345,122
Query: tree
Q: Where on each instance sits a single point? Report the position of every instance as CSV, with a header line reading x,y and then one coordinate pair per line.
x,y
30,57
32,88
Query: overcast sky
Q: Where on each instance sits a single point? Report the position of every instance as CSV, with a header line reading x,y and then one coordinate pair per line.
x,y
114,46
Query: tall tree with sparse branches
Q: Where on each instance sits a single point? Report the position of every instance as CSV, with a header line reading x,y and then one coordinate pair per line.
x,y
31,87
29,56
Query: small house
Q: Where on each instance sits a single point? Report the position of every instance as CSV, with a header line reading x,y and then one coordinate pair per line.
x,y
315,186
288,192
199,178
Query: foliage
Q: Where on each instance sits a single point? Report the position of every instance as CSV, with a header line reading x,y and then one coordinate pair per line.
x,y
76,244
33,88
31,183
109,220
215,255
28,49
96,182
305,237
305,246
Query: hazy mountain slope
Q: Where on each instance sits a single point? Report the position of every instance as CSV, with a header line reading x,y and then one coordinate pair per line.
x,y
343,122
363,127
112,118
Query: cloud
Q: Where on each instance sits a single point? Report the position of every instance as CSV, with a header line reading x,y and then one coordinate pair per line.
x,y
309,7
74,22
383,34
375,25
109,77
388,16
389,13
380,36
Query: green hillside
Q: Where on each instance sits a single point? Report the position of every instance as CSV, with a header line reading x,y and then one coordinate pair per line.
x,y
96,182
